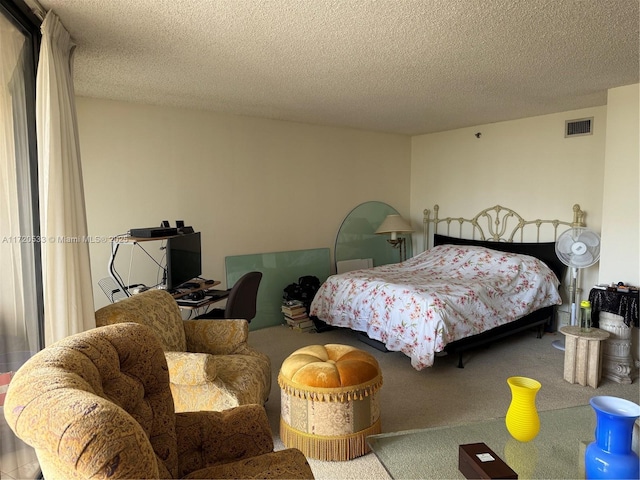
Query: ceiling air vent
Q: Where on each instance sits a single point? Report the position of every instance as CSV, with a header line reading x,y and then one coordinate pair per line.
x,y
582,126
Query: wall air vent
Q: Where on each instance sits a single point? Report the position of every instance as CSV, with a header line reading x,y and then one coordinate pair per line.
x,y
575,128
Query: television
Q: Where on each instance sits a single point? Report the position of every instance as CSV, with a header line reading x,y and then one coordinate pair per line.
x,y
184,259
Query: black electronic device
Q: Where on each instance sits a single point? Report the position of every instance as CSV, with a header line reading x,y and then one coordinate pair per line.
x,y
153,232
185,302
216,294
184,230
179,223
199,295
165,223
184,259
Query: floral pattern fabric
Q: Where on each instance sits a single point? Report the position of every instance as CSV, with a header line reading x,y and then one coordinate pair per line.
x,y
98,405
211,365
439,296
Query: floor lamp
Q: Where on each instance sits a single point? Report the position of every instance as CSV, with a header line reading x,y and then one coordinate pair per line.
x,y
393,225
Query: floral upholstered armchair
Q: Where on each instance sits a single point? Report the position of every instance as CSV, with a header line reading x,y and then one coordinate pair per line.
x,y
98,405
211,366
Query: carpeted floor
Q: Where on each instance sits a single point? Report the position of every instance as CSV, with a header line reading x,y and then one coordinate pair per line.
x,y
442,394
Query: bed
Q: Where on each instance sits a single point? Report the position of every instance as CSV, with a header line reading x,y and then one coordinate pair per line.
x,y
483,278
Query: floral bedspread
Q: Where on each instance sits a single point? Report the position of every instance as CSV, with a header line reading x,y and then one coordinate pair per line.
x,y
444,294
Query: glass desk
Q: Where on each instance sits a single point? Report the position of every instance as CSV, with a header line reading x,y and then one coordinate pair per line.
x,y
557,451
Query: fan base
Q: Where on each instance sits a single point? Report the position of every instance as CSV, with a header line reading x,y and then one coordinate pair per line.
x,y
559,344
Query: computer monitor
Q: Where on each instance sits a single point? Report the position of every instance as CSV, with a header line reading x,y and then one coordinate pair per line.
x,y
184,259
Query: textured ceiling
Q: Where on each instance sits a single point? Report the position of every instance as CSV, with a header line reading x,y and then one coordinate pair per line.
x,y
403,66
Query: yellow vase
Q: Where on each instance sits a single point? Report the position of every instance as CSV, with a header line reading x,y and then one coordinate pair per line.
x,y
522,418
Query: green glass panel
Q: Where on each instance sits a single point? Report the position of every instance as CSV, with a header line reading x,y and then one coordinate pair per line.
x,y
357,239
279,269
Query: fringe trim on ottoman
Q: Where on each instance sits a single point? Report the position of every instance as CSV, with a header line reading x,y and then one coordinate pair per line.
x,y
339,394
334,448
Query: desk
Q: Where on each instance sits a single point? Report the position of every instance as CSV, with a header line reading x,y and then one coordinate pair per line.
x,y
115,245
203,286
557,451
127,239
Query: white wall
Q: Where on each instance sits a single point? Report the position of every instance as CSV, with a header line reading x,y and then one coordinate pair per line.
x,y
249,185
254,185
620,255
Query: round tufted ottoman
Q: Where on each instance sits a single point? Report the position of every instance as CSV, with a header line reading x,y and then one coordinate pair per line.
x,y
329,401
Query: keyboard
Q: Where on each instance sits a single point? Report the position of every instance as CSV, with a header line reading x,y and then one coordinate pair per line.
x,y
185,302
216,294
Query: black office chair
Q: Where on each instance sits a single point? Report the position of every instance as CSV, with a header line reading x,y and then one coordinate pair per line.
x,y
242,299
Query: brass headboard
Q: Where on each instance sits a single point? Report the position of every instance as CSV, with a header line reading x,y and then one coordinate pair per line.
x,y
498,223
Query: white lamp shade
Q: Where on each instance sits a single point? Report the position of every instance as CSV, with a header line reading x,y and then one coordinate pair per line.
x,y
394,224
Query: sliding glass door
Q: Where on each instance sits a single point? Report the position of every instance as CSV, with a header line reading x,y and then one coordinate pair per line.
x,y
20,284
21,309
20,271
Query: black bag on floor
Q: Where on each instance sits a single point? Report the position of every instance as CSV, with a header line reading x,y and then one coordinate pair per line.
x,y
304,291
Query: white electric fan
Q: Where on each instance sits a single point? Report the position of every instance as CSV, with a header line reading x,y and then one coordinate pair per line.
x,y
577,248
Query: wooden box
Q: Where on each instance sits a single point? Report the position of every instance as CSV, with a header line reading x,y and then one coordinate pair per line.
x,y
476,460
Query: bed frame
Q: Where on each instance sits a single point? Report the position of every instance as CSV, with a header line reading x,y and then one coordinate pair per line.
x,y
496,228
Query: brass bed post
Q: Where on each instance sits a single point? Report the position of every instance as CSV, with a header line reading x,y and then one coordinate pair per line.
x,y
426,220
425,229
578,216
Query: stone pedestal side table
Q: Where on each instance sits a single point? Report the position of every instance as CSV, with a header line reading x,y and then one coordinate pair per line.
x,y
617,360
617,313
583,355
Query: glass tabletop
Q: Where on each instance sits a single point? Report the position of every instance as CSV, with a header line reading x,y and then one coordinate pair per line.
x,y
557,451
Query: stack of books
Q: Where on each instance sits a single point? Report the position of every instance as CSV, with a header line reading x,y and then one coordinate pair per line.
x,y
295,314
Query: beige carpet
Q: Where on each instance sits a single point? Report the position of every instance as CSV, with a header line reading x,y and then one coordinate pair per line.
x,y
442,394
